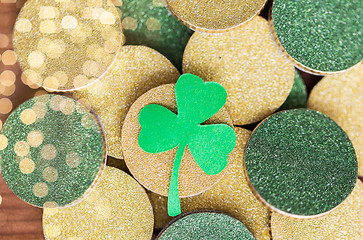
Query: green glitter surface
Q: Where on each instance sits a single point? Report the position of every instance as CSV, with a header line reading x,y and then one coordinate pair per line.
x,y
301,162
75,132
167,35
298,96
206,225
323,35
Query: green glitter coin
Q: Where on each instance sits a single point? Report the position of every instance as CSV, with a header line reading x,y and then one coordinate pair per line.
x,y
298,96
301,163
321,36
149,23
52,151
205,225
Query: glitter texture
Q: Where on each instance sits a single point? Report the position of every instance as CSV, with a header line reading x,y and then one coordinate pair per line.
x,y
38,142
66,45
215,15
340,96
149,23
230,195
301,163
298,96
136,70
206,225
153,171
320,36
345,222
118,208
257,77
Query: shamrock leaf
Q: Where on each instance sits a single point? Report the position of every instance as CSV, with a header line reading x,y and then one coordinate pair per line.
x,y
163,130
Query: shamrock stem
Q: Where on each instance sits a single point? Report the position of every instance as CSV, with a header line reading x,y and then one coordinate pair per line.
x,y
173,196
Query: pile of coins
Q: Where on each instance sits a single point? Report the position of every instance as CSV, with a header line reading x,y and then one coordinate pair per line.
x,y
117,119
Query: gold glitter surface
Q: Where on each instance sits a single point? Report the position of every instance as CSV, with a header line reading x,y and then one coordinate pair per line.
x,y
136,70
118,208
340,96
59,42
345,222
256,75
231,195
153,171
214,15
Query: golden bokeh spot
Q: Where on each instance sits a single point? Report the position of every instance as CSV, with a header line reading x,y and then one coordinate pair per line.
x,y
117,3
91,68
43,98
1,200
91,50
26,166
23,25
50,174
48,27
5,105
49,152
7,78
67,106
51,207
55,49
55,101
73,160
111,45
87,121
48,12
31,78
9,57
21,148
43,44
97,12
159,3
62,78
4,41
80,80
107,18
51,83
69,22
28,116
35,138
80,107
3,140
40,189
129,23
153,24
40,109
42,93
36,59
8,91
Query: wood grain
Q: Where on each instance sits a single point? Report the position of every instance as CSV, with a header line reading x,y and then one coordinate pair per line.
x,y
18,220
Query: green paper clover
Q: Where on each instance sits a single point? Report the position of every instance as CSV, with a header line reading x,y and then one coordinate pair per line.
x,y
162,130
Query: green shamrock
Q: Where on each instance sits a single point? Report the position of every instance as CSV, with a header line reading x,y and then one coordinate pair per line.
x,y
162,130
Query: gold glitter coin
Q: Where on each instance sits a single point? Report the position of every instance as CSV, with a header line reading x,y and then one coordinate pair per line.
x,y
340,96
256,75
136,70
345,222
66,45
231,195
118,208
215,15
153,171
